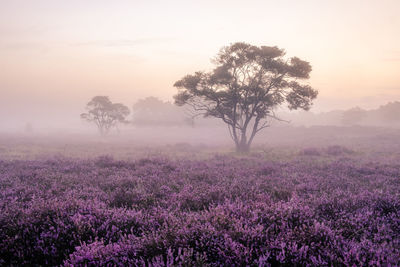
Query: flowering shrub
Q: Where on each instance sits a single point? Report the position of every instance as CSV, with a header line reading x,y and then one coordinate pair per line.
x,y
223,211
337,150
310,151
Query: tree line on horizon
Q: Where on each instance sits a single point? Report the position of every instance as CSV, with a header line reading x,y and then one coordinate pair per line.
x,y
152,111
149,111
386,115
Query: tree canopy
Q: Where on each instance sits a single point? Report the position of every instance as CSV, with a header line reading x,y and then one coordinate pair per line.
x,y
104,113
246,86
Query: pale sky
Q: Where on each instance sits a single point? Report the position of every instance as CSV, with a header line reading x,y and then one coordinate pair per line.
x,y
55,55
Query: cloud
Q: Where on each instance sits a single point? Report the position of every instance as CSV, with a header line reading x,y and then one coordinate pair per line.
x,y
15,31
124,42
23,46
392,59
393,56
45,47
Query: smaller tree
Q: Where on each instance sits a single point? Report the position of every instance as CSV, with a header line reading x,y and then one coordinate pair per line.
x,y
105,114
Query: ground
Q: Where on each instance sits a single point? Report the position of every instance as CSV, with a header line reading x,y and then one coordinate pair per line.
x,y
92,203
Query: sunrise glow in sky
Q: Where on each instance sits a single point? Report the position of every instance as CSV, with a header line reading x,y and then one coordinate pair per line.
x,y
55,55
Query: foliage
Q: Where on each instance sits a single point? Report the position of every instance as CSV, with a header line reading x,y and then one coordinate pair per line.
x,y
222,211
104,113
248,83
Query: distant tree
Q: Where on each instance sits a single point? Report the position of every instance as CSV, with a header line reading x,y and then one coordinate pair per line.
x,y
153,111
353,116
390,112
248,83
105,114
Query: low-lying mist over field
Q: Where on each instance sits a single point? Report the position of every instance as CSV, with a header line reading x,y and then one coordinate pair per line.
x,y
151,116
154,124
159,140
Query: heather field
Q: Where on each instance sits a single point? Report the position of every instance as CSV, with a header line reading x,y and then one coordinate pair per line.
x,y
199,133
330,205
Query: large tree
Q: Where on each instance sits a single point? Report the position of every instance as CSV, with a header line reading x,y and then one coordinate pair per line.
x,y
105,114
246,86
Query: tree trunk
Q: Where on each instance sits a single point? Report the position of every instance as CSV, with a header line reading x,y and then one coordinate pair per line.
x,y
243,146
